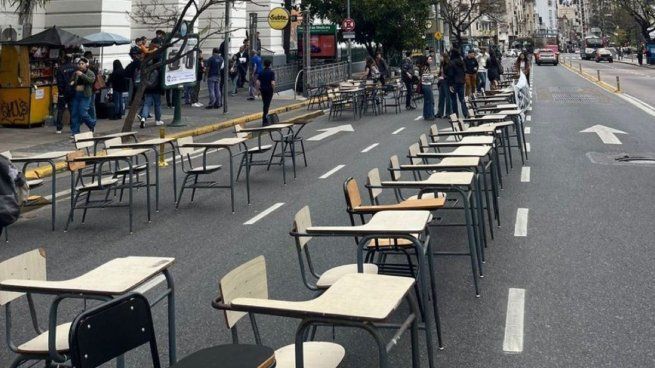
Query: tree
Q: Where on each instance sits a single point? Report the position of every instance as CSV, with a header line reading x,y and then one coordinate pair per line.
x,y
643,14
24,8
394,25
461,14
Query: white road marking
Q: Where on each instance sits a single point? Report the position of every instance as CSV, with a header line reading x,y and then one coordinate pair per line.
x,y
418,118
606,134
264,213
527,130
530,108
327,174
331,131
513,341
525,174
398,130
527,147
521,225
528,118
370,147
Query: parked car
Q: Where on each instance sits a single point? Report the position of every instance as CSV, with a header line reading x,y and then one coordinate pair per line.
x,y
604,55
546,56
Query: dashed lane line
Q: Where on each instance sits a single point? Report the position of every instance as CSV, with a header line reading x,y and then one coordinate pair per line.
x,y
418,118
370,147
398,130
525,174
521,225
528,118
264,213
527,147
527,130
327,174
513,341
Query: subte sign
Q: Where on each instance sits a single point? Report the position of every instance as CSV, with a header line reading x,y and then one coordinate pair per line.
x,y
348,25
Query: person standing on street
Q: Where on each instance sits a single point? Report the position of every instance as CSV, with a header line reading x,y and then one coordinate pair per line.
x,y
427,79
234,74
118,83
444,108
266,86
455,75
82,81
214,66
407,77
640,54
493,70
471,68
66,92
482,59
383,67
257,69
242,65
523,65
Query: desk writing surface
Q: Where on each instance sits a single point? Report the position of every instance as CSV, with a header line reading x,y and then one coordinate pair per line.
x,y
42,156
385,222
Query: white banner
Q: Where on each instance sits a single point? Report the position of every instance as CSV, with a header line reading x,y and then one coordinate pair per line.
x,y
182,71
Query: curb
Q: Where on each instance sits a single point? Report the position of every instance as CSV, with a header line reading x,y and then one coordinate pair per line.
x,y
608,87
46,170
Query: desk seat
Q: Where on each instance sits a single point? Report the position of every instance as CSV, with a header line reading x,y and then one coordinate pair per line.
x,y
34,183
316,354
106,182
259,149
205,169
428,204
39,344
126,170
329,277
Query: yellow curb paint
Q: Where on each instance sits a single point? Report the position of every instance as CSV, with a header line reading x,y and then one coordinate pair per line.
x,y
593,79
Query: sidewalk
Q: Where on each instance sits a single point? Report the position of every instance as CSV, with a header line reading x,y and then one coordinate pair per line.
x,y
634,62
24,141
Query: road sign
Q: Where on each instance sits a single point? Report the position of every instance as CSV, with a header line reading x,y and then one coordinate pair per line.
x,y
278,18
348,35
438,36
348,25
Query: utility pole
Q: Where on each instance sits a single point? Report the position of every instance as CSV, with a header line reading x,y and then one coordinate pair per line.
x,y
350,56
226,56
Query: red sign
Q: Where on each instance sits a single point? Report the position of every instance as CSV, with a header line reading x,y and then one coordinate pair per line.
x,y
348,25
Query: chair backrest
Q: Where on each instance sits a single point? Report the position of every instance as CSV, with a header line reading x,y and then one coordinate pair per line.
x,y
111,143
112,329
434,131
423,142
301,222
414,150
74,166
373,180
184,151
394,165
81,145
246,281
351,191
27,266
7,155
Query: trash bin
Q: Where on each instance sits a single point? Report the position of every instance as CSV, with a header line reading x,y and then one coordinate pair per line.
x,y
650,52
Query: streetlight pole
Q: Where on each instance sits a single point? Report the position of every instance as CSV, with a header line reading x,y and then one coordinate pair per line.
x,y
350,56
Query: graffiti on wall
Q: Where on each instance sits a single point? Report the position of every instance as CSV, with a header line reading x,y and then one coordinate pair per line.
x,y
13,111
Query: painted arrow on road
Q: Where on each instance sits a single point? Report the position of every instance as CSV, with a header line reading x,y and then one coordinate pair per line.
x,y
331,131
606,134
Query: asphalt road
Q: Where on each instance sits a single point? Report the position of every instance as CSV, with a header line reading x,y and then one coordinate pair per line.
x,y
585,264
635,80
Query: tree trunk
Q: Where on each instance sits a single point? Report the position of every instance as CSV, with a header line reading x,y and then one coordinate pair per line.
x,y
134,106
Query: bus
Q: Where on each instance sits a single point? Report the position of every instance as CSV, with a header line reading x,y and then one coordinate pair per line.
x,y
591,44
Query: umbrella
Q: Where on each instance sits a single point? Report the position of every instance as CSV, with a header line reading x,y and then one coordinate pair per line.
x,y
53,37
102,39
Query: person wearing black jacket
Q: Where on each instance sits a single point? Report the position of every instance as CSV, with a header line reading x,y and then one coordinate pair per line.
x,y
408,79
471,67
152,97
455,78
118,82
66,92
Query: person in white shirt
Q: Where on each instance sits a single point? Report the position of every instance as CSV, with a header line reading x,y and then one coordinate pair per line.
x,y
482,57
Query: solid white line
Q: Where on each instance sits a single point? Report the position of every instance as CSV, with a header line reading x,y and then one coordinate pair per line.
x,y
418,118
327,174
370,147
528,118
513,341
530,108
527,146
527,130
265,213
525,174
398,130
521,225
648,109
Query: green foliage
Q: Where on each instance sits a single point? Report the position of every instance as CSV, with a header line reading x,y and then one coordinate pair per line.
x,y
24,8
393,25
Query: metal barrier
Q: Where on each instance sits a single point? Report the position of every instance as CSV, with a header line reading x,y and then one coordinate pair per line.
x,y
329,73
285,76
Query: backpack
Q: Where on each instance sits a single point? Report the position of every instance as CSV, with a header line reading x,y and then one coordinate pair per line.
x,y
10,181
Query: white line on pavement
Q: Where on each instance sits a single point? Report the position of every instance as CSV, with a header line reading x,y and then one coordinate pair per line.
x,y
528,118
265,213
418,118
513,341
525,174
398,130
527,130
327,174
648,109
530,108
370,147
521,225
527,147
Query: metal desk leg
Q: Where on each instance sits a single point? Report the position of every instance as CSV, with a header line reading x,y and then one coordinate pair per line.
x,y
148,185
229,151
172,344
130,193
156,177
174,173
247,157
433,285
472,245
